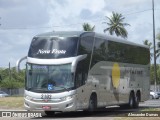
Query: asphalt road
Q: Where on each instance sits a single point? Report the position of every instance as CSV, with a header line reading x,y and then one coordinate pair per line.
x,y
102,114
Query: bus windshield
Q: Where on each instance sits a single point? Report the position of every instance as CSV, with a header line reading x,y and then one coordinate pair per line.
x,y
49,78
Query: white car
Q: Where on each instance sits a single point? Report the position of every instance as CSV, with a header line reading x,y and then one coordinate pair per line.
x,y
154,95
3,94
158,92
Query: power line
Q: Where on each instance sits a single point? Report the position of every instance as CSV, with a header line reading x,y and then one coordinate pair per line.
x,y
25,28
138,12
61,26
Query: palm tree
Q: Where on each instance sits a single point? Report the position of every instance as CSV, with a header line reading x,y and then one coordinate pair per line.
x,y
158,36
116,25
87,27
146,42
149,44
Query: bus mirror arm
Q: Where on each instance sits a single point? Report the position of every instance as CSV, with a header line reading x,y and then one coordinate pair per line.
x,y
18,63
75,62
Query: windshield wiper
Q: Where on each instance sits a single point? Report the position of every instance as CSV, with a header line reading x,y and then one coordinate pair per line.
x,y
29,89
37,90
67,89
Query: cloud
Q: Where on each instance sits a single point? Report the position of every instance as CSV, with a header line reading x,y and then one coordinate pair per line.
x,y
67,15
23,13
85,14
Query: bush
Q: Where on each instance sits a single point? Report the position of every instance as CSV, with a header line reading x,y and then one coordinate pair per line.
x,y
16,80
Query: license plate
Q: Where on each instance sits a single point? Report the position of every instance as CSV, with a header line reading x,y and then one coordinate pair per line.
x,y
46,107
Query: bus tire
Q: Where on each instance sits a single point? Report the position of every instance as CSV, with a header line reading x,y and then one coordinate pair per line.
x,y
136,101
49,113
92,103
131,100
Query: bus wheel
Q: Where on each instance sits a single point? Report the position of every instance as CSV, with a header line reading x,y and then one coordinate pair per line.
x,y
136,101
92,103
50,113
131,100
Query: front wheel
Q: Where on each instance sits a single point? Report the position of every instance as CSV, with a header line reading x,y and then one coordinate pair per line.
x,y
92,103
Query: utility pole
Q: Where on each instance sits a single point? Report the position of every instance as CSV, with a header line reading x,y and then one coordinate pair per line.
x,y
154,46
9,72
10,77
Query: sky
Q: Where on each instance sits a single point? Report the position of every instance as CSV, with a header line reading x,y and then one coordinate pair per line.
x,y
21,20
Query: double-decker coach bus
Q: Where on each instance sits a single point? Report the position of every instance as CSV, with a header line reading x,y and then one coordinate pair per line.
x,y
71,71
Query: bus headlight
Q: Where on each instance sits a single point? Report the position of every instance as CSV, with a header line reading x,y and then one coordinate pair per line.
x,y
28,97
67,97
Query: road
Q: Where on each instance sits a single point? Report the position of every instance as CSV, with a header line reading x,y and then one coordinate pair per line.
x,y
105,114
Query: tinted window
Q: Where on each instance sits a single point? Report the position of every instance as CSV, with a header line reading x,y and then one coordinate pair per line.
x,y
120,52
86,44
117,51
85,47
49,48
100,52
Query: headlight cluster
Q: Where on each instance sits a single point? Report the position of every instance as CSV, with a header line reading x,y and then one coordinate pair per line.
x,y
50,100
67,97
28,97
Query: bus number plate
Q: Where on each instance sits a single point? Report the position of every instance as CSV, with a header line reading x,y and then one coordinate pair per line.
x,y
46,96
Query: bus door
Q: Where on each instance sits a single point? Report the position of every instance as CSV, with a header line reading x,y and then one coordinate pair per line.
x,y
81,90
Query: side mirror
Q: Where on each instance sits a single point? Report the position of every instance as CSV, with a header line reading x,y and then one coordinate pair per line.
x,y
18,63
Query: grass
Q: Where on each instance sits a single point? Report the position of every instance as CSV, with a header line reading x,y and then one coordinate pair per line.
x,y
151,109
11,102
137,118
142,118
16,103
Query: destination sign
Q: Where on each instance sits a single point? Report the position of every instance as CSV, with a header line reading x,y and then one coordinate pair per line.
x,y
54,51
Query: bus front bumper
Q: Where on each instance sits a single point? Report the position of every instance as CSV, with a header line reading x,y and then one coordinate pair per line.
x,y
68,104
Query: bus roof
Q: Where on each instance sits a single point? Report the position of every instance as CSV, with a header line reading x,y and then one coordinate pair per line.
x,y
116,39
81,33
61,34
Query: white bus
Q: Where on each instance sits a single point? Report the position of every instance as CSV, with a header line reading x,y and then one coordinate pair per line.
x,y
72,71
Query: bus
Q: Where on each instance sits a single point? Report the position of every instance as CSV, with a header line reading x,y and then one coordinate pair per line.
x,y
76,70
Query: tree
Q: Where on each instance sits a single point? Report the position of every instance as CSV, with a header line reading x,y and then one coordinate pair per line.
x,y
88,27
16,81
146,42
116,25
158,36
152,74
158,45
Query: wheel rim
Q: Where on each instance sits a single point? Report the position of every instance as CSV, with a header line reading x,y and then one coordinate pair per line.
x,y
137,99
91,105
131,101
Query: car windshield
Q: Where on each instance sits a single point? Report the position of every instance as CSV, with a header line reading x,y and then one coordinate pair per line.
x,y
1,92
49,78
